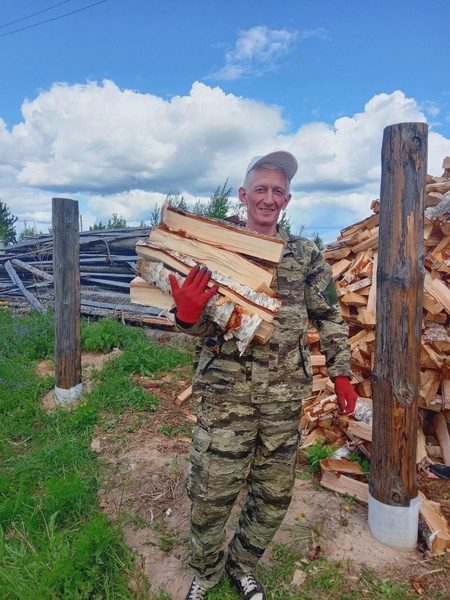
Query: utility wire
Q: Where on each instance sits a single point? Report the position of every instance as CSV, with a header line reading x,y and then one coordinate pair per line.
x,y
34,14
54,18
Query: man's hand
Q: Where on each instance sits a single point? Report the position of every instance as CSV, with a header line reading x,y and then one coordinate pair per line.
x,y
192,297
346,395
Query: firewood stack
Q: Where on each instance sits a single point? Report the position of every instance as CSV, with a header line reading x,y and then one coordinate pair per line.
x,y
353,258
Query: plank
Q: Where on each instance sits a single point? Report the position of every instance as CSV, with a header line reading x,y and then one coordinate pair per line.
x,y
28,295
345,485
34,270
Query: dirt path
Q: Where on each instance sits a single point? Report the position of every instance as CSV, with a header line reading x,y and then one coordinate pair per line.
x,y
146,482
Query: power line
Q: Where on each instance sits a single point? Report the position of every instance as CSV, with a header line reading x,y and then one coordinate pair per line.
x,y
54,18
34,14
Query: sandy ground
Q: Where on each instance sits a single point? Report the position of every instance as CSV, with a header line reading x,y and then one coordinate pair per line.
x,y
144,490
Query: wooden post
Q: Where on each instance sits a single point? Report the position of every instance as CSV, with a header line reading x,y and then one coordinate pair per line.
x,y
66,273
393,492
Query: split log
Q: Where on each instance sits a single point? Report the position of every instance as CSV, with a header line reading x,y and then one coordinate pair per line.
x,y
441,429
340,465
229,264
229,316
312,437
445,388
185,395
438,290
360,430
148,294
223,235
258,303
321,408
430,381
433,526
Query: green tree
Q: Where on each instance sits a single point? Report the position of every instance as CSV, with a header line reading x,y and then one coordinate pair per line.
x,y
155,216
116,222
7,221
177,201
218,205
318,240
285,222
97,226
219,202
27,231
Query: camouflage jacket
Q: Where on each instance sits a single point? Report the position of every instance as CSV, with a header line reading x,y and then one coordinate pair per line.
x,y
281,368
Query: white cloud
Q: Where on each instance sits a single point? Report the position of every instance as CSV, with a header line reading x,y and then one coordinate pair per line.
x,y
88,137
256,50
120,151
343,156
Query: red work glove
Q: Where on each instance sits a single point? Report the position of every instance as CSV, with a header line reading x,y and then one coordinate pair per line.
x,y
192,297
346,395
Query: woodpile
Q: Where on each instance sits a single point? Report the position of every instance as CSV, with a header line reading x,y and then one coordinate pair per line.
x,y
353,257
107,265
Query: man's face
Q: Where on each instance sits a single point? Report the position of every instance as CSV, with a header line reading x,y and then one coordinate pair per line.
x,y
265,197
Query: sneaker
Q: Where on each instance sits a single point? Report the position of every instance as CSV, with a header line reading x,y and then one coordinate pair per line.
x,y
196,591
250,588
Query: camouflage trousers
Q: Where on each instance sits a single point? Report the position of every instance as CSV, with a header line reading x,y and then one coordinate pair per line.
x,y
237,444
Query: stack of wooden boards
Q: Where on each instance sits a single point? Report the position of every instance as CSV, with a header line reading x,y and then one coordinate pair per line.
x,y
353,257
242,265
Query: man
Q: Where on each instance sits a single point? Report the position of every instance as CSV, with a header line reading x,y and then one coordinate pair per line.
x,y
247,432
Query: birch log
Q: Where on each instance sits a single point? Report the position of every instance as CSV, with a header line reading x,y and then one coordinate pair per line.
x,y
231,318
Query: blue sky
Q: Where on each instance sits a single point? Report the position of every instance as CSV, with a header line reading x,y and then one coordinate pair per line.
x,y
123,101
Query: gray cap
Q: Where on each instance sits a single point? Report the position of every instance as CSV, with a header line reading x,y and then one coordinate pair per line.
x,y
285,160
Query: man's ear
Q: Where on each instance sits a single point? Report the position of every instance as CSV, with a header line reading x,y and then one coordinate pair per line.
x,y
286,201
243,195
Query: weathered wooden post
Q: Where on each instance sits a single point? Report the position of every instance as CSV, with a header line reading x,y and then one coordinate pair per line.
x,y
66,272
393,493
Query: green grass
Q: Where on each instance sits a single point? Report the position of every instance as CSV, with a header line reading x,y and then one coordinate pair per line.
x,y
55,542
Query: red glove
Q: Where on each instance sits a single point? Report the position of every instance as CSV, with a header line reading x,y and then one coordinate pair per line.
x,y
192,297
346,395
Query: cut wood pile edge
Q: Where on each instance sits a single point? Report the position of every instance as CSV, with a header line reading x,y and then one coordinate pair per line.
x,y
353,258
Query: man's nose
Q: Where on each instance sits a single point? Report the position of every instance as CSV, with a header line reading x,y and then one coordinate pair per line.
x,y
268,197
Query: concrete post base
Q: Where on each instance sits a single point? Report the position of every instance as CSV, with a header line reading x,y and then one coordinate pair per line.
x,y
395,526
66,397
